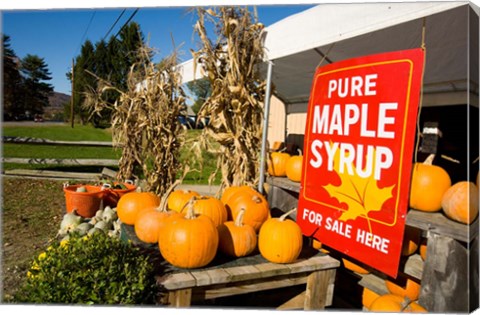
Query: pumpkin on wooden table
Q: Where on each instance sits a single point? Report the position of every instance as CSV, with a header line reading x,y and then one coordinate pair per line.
x,y
132,203
293,168
428,184
280,240
256,207
460,202
277,162
211,207
409,288
235,238
177,200
411,240
189,241
368,296
422,250
348,264
150,222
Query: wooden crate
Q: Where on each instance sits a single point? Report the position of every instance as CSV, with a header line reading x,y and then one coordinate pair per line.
x,y
449,275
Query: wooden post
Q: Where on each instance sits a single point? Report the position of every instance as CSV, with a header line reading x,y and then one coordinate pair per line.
x,y
71,98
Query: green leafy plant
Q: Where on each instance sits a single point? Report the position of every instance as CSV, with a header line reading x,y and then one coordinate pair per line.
x,y
95,269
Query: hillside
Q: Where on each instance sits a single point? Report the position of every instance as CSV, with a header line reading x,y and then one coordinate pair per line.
x,y
56,109
58,99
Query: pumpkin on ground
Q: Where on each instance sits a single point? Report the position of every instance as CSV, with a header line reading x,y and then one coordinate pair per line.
x,y
177,200
293,168
189,241
395,303
277,163
256,207
354,267
280,240
211,207
149,223
130,204
411,240
460,202
410,288
429,183
235,238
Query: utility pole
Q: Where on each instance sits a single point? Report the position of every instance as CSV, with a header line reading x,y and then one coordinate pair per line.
x,y
73,93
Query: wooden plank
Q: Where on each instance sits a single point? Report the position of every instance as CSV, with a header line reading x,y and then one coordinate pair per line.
x,y
374,283
317,289
249,286
180,298
446,274
283,199
270,270
241,273
39,141
295,303
319,262
211,276
81,162
440,224
55,174
414,266
176,281
284,182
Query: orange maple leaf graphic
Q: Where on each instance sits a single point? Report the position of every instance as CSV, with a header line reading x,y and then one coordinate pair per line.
x,y
361,194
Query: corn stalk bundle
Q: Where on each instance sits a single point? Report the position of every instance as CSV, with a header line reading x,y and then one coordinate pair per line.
x,y
145,122
235,106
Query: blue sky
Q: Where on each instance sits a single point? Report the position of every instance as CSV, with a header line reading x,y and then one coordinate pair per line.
x,y
57,34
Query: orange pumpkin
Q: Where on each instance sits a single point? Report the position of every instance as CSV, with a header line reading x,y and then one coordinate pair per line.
x,y
280,240
410,289
354,267
177,200
395,303
212,208
423,249
189,241
255,205
235,238
411,240
230,191
368,296
429,183
293,168
277,163
460,202
130,204
149,223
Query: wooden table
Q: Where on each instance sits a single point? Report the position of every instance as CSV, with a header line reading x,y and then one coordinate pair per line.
x,y
252,274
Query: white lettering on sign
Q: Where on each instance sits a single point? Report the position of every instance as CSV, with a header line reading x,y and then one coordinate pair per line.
x,y
312,217
338,227
374,241
353,86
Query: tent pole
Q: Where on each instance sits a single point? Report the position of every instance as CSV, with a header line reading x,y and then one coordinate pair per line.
x,y
266,112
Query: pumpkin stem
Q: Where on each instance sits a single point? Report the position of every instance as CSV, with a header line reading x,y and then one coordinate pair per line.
x,y
190,212
285,215
239,218
163,202
429,159
299,151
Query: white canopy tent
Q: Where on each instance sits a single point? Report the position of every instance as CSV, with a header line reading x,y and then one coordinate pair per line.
x,y
333,32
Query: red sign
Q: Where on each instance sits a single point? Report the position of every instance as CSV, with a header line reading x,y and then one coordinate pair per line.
x,y
358,147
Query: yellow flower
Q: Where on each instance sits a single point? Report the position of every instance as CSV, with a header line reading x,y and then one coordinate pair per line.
x,y
42,256
63,243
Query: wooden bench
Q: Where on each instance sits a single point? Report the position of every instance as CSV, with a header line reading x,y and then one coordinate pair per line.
x,y
230,277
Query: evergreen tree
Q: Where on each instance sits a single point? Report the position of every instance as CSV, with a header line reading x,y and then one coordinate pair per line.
x,y
12,81
36,91
84,81
201,90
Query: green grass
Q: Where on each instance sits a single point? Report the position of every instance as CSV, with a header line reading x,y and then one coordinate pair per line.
x,y
86,133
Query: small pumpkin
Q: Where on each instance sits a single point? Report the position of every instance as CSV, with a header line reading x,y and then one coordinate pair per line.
x,y
211,207
293,168
256,207
348,264
423,249
150,222
411,240
177,200
368,296
460,202
280,240
410,288
277,163
429,183
230,191
189,241
235,238
394,303
130,204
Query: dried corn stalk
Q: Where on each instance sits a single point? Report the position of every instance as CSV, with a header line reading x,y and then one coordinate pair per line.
x,y
145,121
235,107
